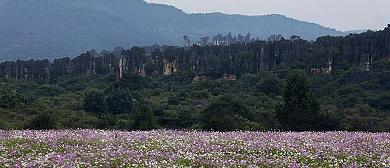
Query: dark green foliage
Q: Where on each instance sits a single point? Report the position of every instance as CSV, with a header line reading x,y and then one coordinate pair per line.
x,y
120,102
8,100
270,85
76,119
107,121
267,120
331,118
173,100
299,111
48,90
251,80
202,94
381,66
213,87
94,102
179,77
144,118
380,101
42,120
226,113
281,72
3,125
128,82
350,100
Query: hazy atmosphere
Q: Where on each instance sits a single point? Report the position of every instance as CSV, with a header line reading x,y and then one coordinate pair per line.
x,y
340,14
200,83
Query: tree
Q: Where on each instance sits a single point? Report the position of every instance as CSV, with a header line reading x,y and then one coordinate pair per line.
x,y
3,125
8,100
129,82
174,100
43,120
270,85
227,113
300,110
240,38
248,38
94,102
144,118
120,101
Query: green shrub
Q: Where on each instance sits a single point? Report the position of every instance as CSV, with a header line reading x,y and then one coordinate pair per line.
x,y
107,122
42,120
144,118
173,100
3,125
227,113
121,101
203,94
94,102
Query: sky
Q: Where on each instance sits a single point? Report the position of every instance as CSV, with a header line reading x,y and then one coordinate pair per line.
x,y
340,14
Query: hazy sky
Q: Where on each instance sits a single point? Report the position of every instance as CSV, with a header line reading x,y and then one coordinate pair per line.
x,y
339,14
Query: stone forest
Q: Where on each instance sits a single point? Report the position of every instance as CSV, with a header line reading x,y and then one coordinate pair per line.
x,y
230,62
295,101
345,80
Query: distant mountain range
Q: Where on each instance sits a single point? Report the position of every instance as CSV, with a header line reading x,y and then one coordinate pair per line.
x,y
57,28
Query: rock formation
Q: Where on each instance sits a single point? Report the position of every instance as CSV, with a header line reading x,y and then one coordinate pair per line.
x,y
229,62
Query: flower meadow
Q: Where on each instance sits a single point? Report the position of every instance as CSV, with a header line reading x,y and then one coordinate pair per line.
x,y
167,148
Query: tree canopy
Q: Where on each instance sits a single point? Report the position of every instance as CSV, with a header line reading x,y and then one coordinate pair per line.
x,y
300,110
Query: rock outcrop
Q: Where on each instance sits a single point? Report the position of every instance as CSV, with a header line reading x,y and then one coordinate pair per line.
x,y
227,62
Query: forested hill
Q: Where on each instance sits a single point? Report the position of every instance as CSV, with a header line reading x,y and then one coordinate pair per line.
x,y
325,55
58,28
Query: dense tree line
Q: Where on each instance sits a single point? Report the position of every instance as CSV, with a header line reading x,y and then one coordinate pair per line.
x,y
283,99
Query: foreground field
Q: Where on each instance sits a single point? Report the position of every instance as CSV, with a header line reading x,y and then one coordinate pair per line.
x,y
162,148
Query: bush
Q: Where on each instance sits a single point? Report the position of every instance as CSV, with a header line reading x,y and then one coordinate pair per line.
x,y
227,113
203,94
107,122
124,124
269,85
94,102
41,121
76,119
128,82
383,102
144,118
9,100
3,125
173,100
120,102
48,90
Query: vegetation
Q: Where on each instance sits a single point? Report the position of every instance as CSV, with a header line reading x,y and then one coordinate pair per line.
x,y
299,111
269,100
277,84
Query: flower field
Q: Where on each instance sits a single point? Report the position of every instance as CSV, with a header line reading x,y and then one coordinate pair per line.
x,y
163,148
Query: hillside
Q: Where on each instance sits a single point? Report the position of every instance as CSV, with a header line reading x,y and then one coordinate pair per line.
x,y
58,28
242,84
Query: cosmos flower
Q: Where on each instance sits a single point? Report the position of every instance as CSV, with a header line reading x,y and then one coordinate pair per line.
x,y
169,148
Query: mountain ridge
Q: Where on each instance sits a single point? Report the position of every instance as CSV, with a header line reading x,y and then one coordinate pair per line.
x,y
65,28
